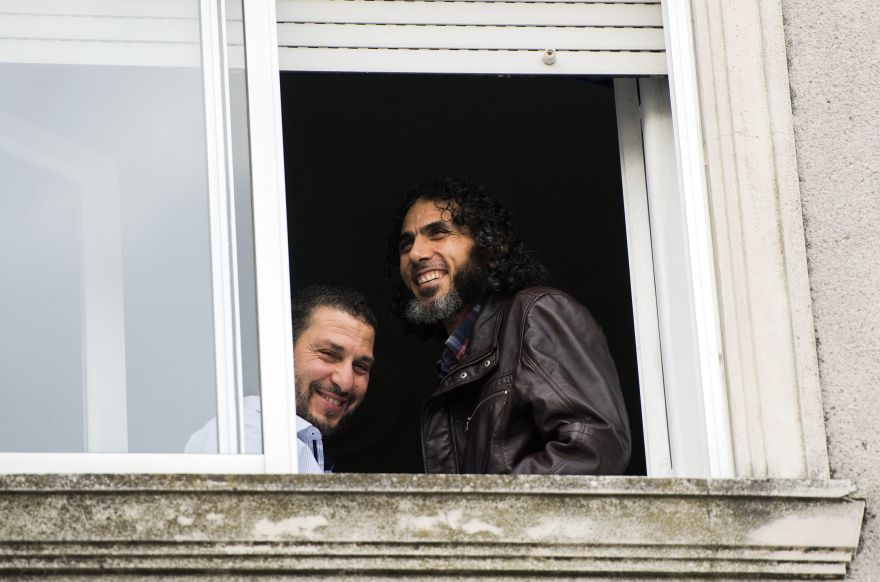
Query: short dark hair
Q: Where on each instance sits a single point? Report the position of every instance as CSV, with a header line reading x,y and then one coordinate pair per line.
x,y
349,301
515,266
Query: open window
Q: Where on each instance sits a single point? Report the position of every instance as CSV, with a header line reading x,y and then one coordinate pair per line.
x,y
563,107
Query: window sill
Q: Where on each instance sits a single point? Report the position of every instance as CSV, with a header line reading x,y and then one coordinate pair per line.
x,y
421,525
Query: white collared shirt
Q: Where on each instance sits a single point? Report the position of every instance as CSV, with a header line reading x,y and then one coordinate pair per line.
x,y
309,444
309,447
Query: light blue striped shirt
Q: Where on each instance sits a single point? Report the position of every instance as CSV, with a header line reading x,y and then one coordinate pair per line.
x,y
309,445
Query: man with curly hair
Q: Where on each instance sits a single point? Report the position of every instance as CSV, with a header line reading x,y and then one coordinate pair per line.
x,y
526,381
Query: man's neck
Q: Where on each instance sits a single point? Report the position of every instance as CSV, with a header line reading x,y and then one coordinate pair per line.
x,y
452,323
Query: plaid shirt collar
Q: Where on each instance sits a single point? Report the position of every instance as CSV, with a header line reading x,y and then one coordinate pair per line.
x,y
457,344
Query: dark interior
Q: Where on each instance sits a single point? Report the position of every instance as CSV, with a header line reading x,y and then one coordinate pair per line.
x,y
354,143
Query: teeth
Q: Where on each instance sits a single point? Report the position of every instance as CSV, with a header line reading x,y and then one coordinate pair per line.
x,y
430,276
332,400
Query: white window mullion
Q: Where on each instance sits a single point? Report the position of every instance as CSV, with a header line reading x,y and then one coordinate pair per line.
x,y
672,278
221,209
641,270
223,53
270,237
688,137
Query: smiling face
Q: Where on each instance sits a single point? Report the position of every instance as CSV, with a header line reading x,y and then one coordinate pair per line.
x,y
434,255
332,360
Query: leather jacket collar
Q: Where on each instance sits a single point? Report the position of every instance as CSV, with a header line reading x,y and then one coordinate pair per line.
x,y
480,358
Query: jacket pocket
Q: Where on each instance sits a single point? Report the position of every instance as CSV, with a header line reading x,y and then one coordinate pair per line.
x,y
485,400
481,433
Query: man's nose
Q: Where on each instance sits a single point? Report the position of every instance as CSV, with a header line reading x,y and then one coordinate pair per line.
x,y
421,250
343,376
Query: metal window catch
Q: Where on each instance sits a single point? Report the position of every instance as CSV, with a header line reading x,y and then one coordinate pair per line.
x,y
549,56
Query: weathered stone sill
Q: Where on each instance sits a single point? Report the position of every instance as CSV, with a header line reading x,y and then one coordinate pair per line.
x,y
378,526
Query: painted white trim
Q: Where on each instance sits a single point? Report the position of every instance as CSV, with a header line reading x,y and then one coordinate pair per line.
x,y
677,26
428,36
270,237
238,396
767,323
12,463
224,279
509,62
469,12
112,8
672,278
641,274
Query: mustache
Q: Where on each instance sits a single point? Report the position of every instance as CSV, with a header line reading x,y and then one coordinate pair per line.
x,y
329,387
429,266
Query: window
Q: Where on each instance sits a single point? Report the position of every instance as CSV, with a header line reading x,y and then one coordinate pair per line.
x,y
341,66
128,239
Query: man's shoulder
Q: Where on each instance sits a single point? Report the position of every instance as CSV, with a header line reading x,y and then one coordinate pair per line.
x,y
530,293
535,304
527,297
510,315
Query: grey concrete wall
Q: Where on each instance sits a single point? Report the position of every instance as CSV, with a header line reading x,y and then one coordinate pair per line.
x,y
834,65
424,527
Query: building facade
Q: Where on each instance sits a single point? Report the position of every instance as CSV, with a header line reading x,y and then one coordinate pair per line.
x,y
782,278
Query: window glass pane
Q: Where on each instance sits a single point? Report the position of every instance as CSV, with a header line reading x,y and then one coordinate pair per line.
x,y
247,291
108,338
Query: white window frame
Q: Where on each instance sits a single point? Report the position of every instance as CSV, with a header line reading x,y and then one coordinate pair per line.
x,y
273,280
658,456
688,133
681,368
678,425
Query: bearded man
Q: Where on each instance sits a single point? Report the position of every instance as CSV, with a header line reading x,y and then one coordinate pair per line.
x,y
333,334
527,384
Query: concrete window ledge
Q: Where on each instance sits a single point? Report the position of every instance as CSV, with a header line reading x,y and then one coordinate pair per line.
x,y
424,526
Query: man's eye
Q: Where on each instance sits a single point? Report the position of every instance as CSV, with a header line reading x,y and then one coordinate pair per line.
x,y
328,354
438,234
361,369
405,247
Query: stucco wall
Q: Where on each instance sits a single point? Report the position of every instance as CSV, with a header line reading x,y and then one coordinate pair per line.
x,y
834,63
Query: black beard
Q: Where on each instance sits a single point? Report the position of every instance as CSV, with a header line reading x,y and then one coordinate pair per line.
x,y
469,286
303,411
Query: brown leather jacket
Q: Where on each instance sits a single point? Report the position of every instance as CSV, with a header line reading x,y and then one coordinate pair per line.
x,y
536,392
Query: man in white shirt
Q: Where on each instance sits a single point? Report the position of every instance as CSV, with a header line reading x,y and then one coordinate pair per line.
x,y
333,330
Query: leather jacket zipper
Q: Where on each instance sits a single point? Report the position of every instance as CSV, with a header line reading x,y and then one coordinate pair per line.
x,y
467,423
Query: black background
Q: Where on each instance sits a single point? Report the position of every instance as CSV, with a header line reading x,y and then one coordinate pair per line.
x,y
355,143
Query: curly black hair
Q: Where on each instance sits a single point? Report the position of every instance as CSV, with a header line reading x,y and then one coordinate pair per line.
x,y
497,243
